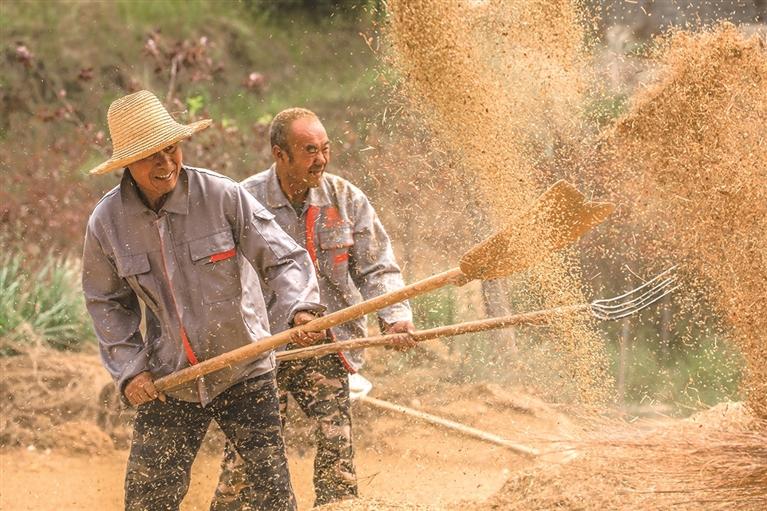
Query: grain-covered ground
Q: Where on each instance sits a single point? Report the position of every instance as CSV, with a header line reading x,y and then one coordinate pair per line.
x,y
592,459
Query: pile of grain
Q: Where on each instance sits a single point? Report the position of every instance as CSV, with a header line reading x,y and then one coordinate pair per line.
x,y
693,464
689,161
498,85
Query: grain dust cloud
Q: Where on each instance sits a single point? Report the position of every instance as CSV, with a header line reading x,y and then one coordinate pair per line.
x,y
496,97
499,88
692,151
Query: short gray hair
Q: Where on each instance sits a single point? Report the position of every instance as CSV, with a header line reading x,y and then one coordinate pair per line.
x,y
278,130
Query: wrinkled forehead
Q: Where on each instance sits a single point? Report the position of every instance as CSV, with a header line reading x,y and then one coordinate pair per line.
x,y
307,131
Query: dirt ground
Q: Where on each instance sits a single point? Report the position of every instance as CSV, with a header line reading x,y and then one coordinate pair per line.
x,y
419,472
54,455
75,466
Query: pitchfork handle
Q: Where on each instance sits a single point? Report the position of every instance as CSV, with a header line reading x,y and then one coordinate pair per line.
x,y
542,317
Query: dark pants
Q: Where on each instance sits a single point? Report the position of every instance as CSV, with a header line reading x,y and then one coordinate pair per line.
x,y
168,435
320,386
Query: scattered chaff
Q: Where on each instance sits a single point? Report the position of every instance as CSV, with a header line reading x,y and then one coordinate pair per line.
x,y
718,458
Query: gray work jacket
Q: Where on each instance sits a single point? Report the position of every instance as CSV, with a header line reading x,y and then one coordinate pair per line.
x,y
183,264
352,253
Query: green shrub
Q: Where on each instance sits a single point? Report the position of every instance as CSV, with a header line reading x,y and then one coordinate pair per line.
x,y
695,374
434,309
604,109
313,9
42,307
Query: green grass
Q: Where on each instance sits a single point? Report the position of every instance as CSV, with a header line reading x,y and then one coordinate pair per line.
x,y
176,15
319,62
45,306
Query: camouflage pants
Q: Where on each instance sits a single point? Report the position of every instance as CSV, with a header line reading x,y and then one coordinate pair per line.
x,y
320,386
168,435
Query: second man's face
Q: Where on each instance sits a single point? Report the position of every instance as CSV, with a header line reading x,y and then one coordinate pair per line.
x,y
309,152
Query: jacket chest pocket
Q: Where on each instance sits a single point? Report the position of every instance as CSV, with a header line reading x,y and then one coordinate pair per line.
x,y
215,263
333,260
136,271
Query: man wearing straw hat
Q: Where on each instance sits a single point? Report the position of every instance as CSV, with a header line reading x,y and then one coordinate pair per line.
x,y
354,259
171,237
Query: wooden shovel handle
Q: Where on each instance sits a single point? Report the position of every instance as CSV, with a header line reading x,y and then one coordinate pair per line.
x,y
454,277
542,317
253,350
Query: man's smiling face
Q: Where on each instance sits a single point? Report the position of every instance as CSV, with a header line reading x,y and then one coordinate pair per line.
x,y
157,174
309,152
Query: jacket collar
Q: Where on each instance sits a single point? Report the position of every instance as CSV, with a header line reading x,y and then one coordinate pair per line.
x,y
275,197
177,202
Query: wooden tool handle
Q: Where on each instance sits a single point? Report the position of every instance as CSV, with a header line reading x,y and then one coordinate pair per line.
x,y
541,317
524,450
251,351
451,277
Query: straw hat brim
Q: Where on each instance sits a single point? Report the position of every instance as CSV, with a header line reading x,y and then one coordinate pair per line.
x,y
171,136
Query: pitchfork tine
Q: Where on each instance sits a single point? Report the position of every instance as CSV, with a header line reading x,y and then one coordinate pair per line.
x,y
613,303
611,316
652,282
620,310
629,303
617,312
646,284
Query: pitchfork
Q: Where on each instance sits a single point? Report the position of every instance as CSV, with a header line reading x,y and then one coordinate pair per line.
x,y
608,309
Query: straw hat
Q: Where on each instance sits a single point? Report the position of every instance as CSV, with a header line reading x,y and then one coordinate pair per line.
x,y
140,126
